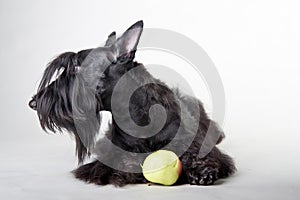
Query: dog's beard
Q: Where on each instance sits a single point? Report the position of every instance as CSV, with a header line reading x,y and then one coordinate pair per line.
x,y
63,102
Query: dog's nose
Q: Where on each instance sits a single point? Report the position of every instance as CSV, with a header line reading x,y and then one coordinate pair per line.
x,y
32,104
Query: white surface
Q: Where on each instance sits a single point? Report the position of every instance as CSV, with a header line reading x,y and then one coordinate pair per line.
x,y
254,44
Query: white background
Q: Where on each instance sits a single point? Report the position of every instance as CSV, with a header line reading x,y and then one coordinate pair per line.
x,y
255,46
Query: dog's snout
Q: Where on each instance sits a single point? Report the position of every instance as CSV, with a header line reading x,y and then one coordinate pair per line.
x,y
32,104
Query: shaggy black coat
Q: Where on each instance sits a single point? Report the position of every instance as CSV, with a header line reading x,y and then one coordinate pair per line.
x,y
70,94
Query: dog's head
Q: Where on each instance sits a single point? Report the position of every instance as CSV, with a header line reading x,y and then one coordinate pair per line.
x,y
82,83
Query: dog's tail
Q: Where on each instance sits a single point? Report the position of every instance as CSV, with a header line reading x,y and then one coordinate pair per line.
x,y
227,167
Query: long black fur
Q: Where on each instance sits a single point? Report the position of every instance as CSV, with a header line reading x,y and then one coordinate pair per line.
x,y
54,103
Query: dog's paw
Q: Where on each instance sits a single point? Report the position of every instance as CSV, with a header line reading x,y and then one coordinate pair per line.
x,y
206,176
94,172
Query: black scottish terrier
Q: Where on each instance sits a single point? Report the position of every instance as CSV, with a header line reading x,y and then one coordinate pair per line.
x,y
86,85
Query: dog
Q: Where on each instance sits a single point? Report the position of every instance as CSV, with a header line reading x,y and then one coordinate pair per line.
x,y
86,85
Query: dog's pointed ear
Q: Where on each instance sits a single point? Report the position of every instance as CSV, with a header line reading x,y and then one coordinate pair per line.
x,y
128,42
111,39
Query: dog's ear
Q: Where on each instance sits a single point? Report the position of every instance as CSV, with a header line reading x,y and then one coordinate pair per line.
x,y
127,43
111,39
